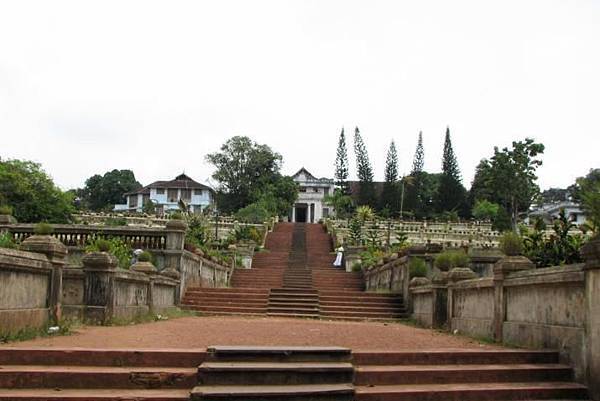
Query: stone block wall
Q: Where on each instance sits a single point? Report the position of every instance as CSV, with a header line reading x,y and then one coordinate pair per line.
x,y
25,284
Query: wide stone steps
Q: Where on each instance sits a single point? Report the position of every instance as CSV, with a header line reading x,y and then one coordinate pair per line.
x,y
275,373
38,374
463,375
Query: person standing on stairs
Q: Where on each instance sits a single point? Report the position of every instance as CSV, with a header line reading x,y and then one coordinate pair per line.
x,y
339,257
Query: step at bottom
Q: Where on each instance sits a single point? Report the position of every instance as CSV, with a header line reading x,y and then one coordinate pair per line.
x,y
313,392
93,395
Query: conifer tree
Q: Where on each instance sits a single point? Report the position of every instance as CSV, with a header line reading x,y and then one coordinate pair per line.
x,y
451,193
390,194
341,165
413,193
366,191
419,160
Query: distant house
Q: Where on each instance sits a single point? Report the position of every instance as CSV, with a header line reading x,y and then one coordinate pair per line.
x,y
310,206
166,196
550,211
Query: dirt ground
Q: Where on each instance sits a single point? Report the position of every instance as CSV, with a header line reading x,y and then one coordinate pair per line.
x,y
200,332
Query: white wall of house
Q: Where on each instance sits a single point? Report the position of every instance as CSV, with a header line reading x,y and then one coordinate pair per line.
x,y
200,198
311,195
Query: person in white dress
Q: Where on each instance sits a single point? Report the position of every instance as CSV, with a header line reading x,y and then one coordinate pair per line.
x,y
340,255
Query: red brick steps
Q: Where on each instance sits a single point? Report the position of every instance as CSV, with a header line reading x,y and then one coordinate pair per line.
x,y
93,395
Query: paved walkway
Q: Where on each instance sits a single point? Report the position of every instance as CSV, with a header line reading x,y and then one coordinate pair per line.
x,y
200,332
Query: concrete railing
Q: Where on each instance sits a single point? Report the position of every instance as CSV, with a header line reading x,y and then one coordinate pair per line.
x,y
556,307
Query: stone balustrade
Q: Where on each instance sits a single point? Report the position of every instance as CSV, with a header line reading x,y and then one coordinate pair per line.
x,y
555,307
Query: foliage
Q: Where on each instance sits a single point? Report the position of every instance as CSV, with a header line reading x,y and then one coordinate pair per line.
x,y
341,166
485,210
370,257
149,207
450,193
248,173
342,204
553,195
254,213
198,231
509,179
443,261
511,244
417,268
7,241
32,193
116,221
390,196
5,209
587,191
559,248
459,258
366,194
356,234
176,216
374,237
114,246
419,159
43,229
145,257
102,192
364,213
247,233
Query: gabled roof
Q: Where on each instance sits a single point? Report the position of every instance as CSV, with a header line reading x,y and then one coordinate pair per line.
x,y
309,176
182,181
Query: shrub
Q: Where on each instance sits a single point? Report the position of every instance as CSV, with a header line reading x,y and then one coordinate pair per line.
x,y
5,209
254,213
177,216
444,261
459,258
43,229
7,241
114,246
364,213
116,221
145,257
511,244
417,268
102,245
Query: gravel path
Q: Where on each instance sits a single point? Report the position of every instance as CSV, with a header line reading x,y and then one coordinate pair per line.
x,y
200,332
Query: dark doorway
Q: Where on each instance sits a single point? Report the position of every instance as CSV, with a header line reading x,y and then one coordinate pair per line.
x,y
301,215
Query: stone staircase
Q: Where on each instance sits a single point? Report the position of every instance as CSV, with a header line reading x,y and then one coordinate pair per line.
x,y
464,375
284,373
275,373
295,278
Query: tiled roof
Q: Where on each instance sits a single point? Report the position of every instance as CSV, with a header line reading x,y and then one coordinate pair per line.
x,y
182,181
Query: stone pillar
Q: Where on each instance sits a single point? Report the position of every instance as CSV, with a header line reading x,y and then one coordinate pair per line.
x,y
502,268
174,250
294,213
56,253
99,269
149,269
308,213
591,254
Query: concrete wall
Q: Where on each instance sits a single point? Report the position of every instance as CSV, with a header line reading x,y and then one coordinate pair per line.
x,y
471,308
25,282
198,271
391,276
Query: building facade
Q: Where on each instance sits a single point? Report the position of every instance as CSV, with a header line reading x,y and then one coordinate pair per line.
x,y
550,211
165,195
310,206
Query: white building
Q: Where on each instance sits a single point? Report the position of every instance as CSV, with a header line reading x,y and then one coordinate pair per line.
x,y
550,211
310,208
166,195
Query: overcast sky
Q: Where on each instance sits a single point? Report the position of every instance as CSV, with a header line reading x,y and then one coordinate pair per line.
x,y
86,87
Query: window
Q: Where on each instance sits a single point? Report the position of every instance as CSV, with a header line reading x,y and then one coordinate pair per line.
x,y
186,194
326,191
316,190
198,192
160,191
133,201
172,195
325,212
302,189
145,199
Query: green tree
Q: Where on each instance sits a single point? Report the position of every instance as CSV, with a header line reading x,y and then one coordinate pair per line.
x,y
390,197
587,192
342,204
485,210
451,193
341,165
413,193
512,178
247,173
32,193
366,195
104,191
